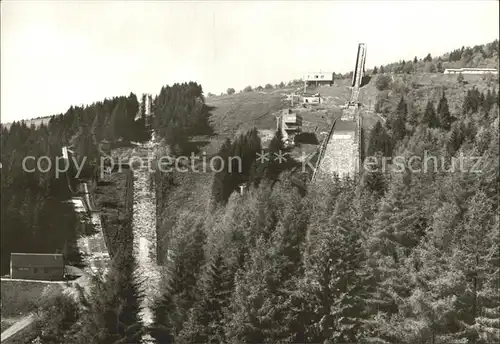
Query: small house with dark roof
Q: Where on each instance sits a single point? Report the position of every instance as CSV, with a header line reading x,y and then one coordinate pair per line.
x,y
37,266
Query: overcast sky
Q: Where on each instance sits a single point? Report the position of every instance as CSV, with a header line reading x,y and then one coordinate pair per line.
x,y
62,53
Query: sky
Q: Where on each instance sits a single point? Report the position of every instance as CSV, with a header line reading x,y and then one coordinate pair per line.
x,y
55,54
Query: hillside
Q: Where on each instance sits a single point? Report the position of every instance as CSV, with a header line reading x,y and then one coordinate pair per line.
x,y
394,256
243,111
237,113
481,55
419,88
29,122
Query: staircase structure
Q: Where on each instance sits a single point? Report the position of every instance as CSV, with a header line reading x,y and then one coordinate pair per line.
x,y
144,228
341,150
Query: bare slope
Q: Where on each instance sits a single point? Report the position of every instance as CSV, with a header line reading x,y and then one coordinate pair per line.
x,y
36,122
243,111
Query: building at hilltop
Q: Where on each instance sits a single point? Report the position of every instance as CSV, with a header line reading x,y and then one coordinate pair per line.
x,y
319,79
37,266
471,71
290,124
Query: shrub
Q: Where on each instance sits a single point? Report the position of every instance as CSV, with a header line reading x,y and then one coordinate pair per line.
x,y
399,86
430,67
382,103
488,78
383,82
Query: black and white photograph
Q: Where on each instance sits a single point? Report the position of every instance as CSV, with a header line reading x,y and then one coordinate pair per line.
x,y
250,172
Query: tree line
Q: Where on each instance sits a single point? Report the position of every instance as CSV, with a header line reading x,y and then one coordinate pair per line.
x,y
474,56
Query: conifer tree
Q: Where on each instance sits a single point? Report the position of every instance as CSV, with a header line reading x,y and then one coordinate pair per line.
x,y
373,178
260,309
477,259
332,292
456,138
393,237
396,121
273,167
205,322
238,165
430,312
179,287
445,118
402,109
430,118
379,141
398,129
223,184
111,311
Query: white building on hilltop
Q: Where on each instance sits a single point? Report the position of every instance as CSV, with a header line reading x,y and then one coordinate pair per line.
x,y
471,71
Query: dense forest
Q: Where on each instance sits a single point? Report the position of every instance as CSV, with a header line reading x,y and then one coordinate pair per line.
x,y
110,312
395,256
180,114
34,216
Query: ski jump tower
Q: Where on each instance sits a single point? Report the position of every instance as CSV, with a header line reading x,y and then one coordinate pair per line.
x,y
340,152
357,77
358,74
